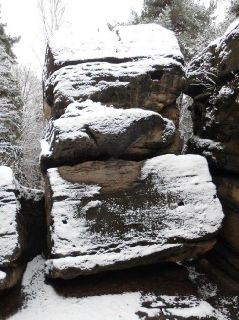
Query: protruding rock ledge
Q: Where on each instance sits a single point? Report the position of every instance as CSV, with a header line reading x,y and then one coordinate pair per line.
x,y
163,209
149,84
92,131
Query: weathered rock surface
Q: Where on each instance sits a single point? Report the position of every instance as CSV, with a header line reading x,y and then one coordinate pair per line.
x,y
216,104
148,83
11,234
141,66
213,78
100,218
89,131
125,43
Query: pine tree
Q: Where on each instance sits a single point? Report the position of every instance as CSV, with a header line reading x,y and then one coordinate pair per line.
x,y
191,21
7,41
234,8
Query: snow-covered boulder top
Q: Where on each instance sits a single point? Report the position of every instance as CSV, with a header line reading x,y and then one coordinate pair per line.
x,y
122,44
129,67
90,130
219,59
10,238
100,218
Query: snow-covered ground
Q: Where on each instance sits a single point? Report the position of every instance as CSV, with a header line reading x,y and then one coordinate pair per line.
x,y
42,301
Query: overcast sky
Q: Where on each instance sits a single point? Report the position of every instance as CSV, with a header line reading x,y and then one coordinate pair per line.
x,y
23,19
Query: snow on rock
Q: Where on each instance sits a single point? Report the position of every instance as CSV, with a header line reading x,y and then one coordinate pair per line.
x,y
99,218
214,84
219,59
11,237
130,67
146,83
92,131
10,242
123,43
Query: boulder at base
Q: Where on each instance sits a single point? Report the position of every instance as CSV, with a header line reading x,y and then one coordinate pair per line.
x,y
100,218
11,239
92,131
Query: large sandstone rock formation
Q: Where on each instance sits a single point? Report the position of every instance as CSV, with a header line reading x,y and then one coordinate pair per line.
x,y
131,67
111,101
214,84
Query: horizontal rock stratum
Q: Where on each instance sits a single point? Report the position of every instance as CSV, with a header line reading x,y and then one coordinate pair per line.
x,y
90,130
129,67
118,214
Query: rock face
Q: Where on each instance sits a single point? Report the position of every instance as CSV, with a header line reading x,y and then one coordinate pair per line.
x,y
112,104
131,67
92,131
214,84
166,209
11,233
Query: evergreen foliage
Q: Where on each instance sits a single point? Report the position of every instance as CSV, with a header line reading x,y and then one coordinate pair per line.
x,y
6,40
234,9
192,22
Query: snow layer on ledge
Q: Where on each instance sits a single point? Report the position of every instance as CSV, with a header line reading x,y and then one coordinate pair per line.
x,y
83,81
106,260
135,41
107,125
217,59
9,209
106,120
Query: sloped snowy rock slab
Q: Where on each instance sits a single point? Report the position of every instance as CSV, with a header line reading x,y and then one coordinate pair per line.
x,y
99,218
92,131
124,43
219,59
147,83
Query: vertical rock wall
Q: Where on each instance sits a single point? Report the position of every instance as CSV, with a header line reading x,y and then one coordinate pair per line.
x,y
214,84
